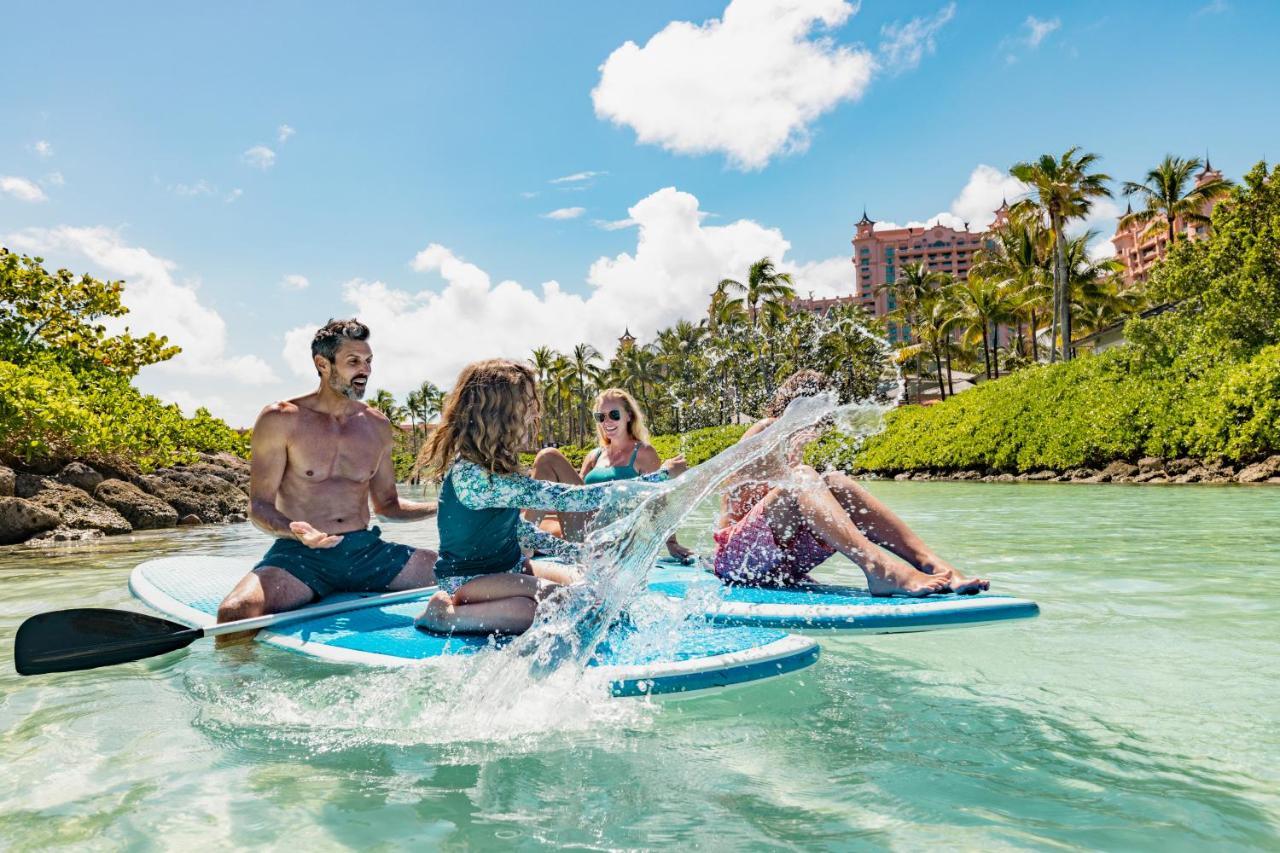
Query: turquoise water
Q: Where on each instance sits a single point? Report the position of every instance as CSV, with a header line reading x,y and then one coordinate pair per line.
x,y
1137,712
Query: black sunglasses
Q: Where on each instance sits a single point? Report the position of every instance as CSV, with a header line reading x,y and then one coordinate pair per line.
x,y
614,415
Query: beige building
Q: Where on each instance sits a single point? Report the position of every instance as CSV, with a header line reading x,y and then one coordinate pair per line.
x,y
1138,253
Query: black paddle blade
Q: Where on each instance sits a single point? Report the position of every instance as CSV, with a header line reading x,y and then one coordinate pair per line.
x,y
67,640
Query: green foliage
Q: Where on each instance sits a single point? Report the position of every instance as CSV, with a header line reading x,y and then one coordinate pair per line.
x,y
55,315
48,414
1201,379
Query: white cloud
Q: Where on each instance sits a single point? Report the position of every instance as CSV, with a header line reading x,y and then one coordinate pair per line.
x,y
260,156
233,195
749,84
200,187
976,204
1038,30
615,224
565,213
54,179
43,148
575,177
432,333
1102,249
21,188
528,195
1217,7
283,133
906,44
822,279
157,303
295,282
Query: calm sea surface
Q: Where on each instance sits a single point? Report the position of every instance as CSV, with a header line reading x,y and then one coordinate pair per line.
x,y
1138,712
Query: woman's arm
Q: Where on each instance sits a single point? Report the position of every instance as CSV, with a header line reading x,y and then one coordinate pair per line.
x,y
478,489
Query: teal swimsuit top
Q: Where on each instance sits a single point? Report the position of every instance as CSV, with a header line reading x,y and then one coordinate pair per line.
x,y
608,473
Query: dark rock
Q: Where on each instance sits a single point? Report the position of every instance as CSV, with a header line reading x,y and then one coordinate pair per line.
x,y
237,518
226,460
1004,478
61,535
1158,478
143,511
905,475
1078,474
29,485
1149,476
1150,463
1117,470
189,520
966,475
235,477
20,519
1274,480
77,509
1255,473
1040,476
1193,475
7,481
79,475
193,493
1174,467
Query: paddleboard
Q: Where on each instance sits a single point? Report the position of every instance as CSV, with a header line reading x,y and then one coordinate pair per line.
x,y
704,657
831,607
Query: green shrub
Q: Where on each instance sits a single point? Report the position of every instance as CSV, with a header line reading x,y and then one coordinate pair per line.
x,y
50,415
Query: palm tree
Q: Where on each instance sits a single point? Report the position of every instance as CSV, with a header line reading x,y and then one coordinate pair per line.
x,y
765,288
1167,198
724,313
384,401
911,287
1021,260
985,305
1063,188
585,368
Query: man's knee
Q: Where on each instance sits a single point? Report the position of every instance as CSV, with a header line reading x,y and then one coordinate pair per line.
x,y
239,605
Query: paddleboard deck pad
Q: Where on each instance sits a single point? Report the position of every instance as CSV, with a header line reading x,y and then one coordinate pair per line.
x,y
703,657
830,607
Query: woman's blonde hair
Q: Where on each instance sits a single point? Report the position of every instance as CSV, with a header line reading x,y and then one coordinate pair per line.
x,y
485,418
635,426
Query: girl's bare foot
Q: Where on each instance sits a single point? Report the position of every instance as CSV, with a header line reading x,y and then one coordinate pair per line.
x,y
957,582
438,615
893,577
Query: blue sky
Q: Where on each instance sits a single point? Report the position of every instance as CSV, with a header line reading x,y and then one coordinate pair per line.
x,y
414,183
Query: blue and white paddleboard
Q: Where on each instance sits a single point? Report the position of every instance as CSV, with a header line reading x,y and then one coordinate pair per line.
x,y
189,589
829,607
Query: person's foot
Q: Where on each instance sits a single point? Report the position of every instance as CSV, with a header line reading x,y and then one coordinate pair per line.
x,y
894,577
957,582
437,615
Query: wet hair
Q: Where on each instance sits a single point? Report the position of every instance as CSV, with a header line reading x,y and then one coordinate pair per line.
x,y
329,337
485,418
802,383
635,418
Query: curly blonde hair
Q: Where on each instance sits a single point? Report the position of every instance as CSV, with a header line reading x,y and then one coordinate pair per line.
x,y
486,418
635,426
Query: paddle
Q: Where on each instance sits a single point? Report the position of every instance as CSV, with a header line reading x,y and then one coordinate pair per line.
x,y
85,638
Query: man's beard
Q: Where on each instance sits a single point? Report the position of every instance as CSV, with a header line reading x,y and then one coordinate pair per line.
x,y
346,389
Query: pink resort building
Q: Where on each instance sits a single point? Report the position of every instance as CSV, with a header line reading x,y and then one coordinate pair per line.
x,y
879,254
1139,254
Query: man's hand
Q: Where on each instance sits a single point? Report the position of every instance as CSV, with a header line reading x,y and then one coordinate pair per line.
x,y
312,538
675,466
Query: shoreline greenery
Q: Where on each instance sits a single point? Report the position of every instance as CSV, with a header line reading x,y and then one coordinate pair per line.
x,y
66,388
1200,379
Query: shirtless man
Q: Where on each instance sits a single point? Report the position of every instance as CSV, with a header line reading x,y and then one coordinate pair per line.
x,y
319,461
775,535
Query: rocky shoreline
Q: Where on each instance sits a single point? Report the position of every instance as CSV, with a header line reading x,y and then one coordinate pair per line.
x,y
1150,469
80,502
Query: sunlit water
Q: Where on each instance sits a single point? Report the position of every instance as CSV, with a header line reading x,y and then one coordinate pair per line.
x,y
1139,711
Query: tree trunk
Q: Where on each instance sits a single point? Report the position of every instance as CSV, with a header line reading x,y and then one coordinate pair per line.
x,y
937,363
1035,347
951,388
1064,297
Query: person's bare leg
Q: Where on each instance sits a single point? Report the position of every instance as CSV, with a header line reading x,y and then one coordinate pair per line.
x,y
550,464
418,571
808,502
554,572
883,527
262,591
495,604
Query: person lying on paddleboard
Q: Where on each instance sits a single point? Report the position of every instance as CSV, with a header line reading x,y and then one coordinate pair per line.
x,y
786,519
486,584
318,463
623,453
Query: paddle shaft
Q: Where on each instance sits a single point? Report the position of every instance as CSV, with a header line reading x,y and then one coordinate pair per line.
x,y
304,613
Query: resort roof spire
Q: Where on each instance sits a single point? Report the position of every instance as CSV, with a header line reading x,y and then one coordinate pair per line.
x,y
865,220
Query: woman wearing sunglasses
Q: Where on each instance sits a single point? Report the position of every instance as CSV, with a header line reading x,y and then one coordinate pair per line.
x,y
624,453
